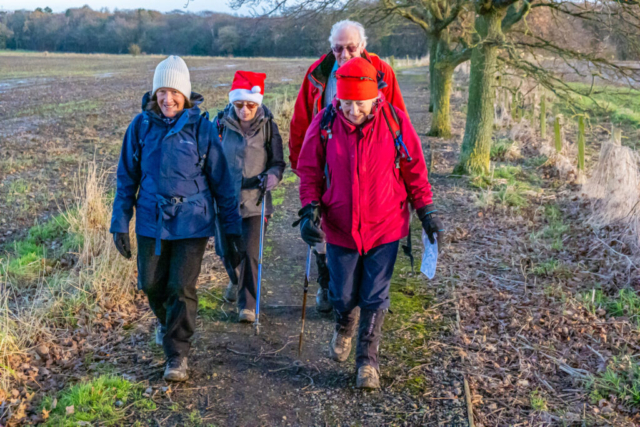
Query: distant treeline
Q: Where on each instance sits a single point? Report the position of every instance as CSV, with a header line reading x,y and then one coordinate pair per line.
x,y
85,30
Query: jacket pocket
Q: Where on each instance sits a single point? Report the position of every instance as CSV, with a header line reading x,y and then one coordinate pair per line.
x,y
187,219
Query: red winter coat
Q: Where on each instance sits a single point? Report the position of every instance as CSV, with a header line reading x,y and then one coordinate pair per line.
x,y
309,100
366,203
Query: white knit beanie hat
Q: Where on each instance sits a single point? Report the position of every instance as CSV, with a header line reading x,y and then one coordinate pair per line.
x,y
172,73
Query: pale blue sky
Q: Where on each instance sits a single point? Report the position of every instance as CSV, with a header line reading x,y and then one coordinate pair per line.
x,y
161,5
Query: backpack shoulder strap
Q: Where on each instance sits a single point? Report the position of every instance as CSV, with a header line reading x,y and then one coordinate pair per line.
x,y
219,124
393,123
143,127
268,135
326,124
203,134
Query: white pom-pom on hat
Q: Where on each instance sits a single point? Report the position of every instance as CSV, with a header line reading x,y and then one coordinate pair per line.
x,y
256,89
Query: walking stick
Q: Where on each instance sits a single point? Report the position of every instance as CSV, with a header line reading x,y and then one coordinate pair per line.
x,y
304,300
256,324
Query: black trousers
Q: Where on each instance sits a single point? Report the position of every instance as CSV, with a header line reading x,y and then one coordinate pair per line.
x,y
248,276
169,281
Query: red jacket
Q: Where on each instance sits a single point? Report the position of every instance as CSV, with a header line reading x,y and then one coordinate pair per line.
x,y
309,100
365,204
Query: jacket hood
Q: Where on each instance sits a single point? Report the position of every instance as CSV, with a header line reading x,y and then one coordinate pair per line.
x,y
231,120
193,112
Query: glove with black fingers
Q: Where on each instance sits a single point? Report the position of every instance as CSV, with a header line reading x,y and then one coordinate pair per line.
x,y
309,224
431,224
236,250
123,244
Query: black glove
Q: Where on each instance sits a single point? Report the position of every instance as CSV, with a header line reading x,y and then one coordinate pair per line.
x,y
256,182
431,224
236,250
309,224
123,244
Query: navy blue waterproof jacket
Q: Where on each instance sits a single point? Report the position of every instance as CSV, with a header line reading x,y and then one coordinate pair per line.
x,y
173,174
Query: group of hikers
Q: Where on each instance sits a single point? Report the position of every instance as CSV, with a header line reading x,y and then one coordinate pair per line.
x,y
361,170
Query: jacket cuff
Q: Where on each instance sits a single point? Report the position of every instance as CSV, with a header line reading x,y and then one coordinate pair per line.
x,y
426,210
119,226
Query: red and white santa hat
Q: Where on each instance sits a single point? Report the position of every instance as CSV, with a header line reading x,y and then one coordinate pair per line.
x,y
247,86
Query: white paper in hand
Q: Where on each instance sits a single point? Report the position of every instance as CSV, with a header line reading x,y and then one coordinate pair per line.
x,y
430,256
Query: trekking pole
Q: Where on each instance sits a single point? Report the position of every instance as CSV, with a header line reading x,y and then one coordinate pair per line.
x,y
304,300
256,324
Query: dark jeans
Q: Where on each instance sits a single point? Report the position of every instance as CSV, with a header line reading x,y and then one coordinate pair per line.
x,y
361,281
169,281
248,276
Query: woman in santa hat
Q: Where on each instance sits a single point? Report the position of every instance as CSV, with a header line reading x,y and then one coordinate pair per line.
x,y
360,167
171,171
253,147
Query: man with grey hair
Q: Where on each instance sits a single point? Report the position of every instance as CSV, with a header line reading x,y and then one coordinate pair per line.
x,y
348,40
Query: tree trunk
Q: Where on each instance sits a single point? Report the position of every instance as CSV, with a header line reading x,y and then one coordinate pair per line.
x,y
441,95
476,145
433,55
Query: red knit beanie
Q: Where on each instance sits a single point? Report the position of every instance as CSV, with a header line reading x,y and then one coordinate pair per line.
x,y
357,80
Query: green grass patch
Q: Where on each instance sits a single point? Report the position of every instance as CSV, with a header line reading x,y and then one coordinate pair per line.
x,y
537,401
28,256
210,305
555,229
552,268
620,379
103,400
508,185
408,327
277,195
535,162
62,109
620,105
625,304
499,148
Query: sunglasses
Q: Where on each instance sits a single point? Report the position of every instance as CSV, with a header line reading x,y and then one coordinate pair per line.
x,y
352,49
250,105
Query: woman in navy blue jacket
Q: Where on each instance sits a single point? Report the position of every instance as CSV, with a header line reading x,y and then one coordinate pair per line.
x,y
173,170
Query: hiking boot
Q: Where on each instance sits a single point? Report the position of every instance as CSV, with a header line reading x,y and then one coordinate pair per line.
x,y
368,378
160,331
176,369
340,347
231,294
322,301
247,316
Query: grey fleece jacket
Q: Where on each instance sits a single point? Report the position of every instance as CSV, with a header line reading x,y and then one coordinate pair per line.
x,y
247,156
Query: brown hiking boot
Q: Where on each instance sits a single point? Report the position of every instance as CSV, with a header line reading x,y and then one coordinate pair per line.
x,y
368,378
176,369
340,347
247,316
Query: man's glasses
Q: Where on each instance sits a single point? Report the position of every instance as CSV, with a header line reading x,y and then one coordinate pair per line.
x,y
250,105
352,49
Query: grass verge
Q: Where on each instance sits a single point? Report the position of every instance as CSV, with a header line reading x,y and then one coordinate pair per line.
x,y
105,400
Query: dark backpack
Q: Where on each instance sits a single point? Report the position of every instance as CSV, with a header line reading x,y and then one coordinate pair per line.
x,y
202,144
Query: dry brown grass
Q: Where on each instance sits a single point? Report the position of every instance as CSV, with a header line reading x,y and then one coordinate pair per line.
x,y
100,280
613,186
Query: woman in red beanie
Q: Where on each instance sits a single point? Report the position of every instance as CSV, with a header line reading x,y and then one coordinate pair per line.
x,y
357,179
